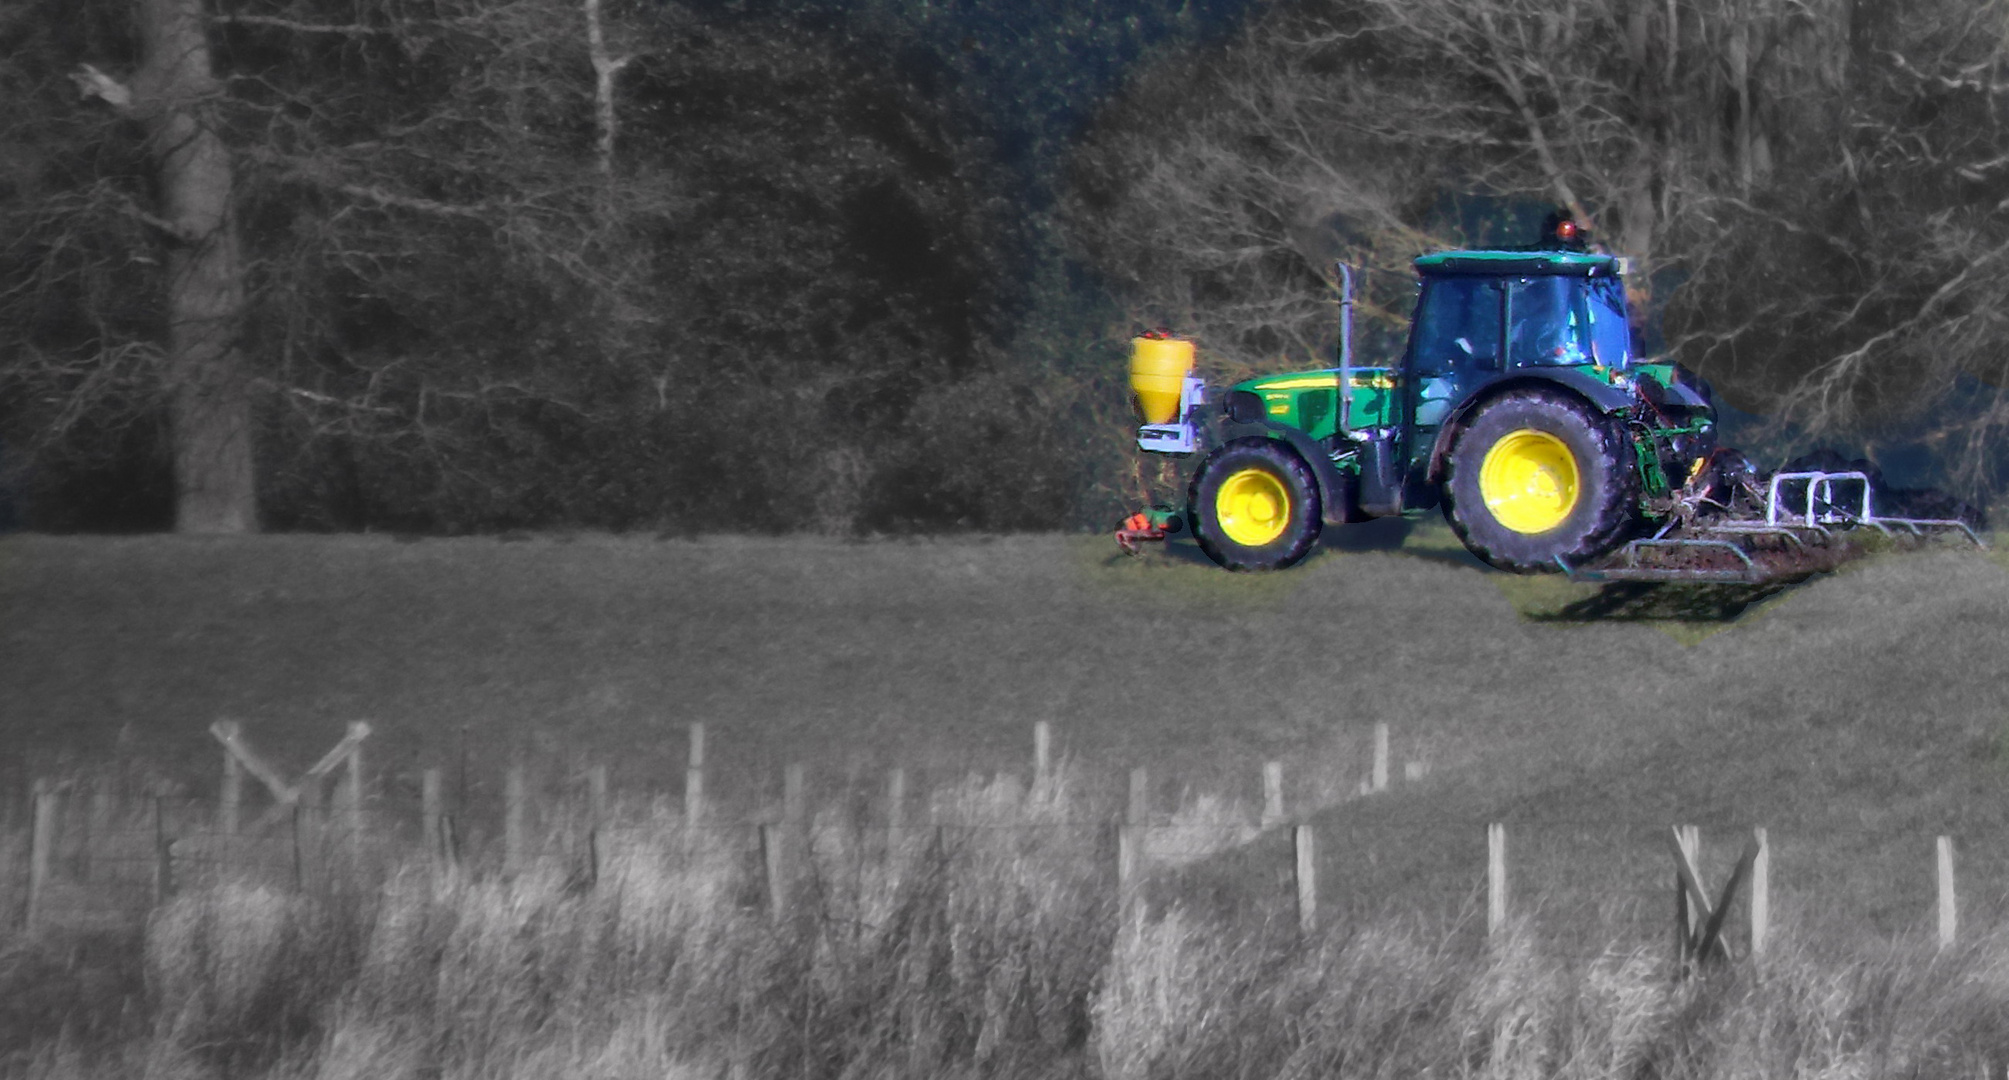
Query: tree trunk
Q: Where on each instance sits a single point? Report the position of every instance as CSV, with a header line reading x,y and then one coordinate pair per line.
x,y
605,67
210,395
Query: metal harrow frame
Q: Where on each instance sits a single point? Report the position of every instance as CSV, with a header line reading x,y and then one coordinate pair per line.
x,y
1807,516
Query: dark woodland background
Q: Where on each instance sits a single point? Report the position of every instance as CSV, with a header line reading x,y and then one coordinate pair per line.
x,y
769,265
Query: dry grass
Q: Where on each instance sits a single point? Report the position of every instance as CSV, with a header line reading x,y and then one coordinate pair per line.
x,y
992,947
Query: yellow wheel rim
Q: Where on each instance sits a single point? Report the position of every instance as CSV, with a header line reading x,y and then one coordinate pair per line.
x,y
1253,507
1529,481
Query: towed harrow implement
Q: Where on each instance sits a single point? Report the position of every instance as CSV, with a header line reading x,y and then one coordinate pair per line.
x,y
1803,530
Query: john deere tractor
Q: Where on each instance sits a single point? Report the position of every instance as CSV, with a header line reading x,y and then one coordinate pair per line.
x,y
1521,408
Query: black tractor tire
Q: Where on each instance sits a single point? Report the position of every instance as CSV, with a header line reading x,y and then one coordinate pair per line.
x,y
1564,482
1254,505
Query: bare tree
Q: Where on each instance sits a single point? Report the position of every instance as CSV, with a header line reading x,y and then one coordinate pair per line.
x,y
1810,189
174,95
1215,202
606,67
1857,293
494,275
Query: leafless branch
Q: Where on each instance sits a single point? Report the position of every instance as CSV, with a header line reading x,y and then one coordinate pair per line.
x,y
349,29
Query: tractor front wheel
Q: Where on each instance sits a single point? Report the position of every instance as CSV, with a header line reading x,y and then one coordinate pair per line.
x,y
1536,476
1254,505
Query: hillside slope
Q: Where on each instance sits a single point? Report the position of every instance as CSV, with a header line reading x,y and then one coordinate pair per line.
x,y
1854,716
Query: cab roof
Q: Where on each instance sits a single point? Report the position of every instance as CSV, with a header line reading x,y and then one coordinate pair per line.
x,y
1523,262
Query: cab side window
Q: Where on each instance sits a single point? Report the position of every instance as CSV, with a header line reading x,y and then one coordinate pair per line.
x,y
1457,327
1610,332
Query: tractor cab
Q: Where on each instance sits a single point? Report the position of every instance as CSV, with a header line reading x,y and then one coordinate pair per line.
x,y
1486,317
1491,315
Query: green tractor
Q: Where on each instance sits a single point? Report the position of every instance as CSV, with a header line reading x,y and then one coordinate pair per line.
x,y
1519,406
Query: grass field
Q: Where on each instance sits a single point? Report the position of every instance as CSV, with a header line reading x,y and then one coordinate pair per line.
x,y
1854,717
1866,705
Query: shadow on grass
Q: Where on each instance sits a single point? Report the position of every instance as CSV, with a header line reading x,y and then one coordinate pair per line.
x,y
1646,601
1424,541
1381,534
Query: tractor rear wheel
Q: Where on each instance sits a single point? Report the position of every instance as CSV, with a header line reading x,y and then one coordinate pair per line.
x,y
1536,476
1254,505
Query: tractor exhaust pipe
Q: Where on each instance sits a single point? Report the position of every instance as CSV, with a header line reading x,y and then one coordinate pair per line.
x,y
1345,338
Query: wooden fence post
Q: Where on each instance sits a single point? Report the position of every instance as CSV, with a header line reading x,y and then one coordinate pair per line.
x,y
299,857
512,820
694,777
97,820
1273,793
1698,924
1126,866
352,791
1305,846
1380,776
1042,753
1138,810
1761,895
163,854
772,839
233,782
1948,912
896,804
429,817
793,811
1496,878
596,795
42,844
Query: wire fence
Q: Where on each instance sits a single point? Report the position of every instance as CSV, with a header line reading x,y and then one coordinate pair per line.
x,y
96,857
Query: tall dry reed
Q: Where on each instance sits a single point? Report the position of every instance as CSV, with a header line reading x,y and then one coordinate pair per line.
x,y
985,939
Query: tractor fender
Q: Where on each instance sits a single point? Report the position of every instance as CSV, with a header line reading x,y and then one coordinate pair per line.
x,y
1330,486
1680,393
1603,397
